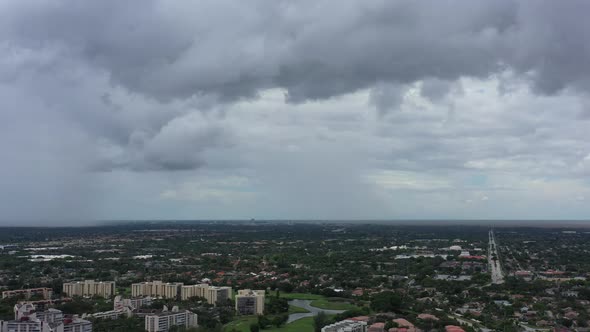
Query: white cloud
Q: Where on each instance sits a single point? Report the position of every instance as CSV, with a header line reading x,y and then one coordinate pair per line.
x,y
403,180
221,190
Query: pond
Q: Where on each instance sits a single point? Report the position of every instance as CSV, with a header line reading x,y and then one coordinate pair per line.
x,y
313,311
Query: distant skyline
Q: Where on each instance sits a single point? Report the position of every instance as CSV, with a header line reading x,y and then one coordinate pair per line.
x,y
371,110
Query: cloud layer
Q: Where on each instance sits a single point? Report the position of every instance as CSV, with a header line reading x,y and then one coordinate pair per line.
x,y
372,109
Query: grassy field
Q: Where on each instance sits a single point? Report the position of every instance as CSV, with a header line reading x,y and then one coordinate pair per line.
x,y
297,310
301,325
242,324
332,305
301,296
320,301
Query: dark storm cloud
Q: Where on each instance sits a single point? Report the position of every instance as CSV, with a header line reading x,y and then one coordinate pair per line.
x,y
435,89
551,44
315,50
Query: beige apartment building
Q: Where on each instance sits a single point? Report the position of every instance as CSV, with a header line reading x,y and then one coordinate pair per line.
x,y
156,289
46,293
211,293
214,294
189,291
250,302
89,288
178,290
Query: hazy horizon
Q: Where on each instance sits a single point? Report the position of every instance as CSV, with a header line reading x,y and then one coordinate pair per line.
x,y
580,223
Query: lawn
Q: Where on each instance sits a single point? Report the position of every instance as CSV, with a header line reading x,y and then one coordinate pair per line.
x,y
300,325
297,310
332,305
242,324
301,296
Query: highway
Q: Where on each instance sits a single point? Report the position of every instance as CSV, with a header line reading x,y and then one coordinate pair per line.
x,y
495,267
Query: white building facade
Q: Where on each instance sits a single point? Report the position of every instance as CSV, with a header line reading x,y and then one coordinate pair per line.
x,y
346,326
250,302
163,321
90,288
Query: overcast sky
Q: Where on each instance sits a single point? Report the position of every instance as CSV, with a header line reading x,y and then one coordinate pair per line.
x,y
316,109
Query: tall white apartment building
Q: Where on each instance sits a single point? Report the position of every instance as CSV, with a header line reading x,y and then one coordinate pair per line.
x,y
178,290
346,326
211,293
214,294
165,320
26,319
105,289
250,302
156,289
189,291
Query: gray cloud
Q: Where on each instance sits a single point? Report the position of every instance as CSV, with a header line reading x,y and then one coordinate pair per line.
x,y
435,89
179,145
551,45
386,97
314,50
156,92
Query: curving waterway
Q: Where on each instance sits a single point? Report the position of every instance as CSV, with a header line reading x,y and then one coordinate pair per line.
x,y
313,311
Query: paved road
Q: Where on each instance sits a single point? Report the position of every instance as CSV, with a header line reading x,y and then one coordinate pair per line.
x,y
313,311
470,322
533,329
495,267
